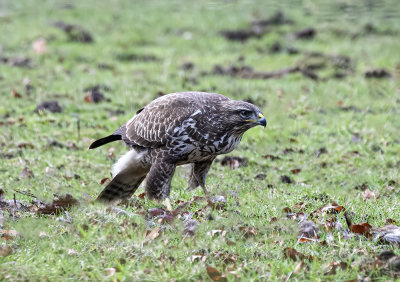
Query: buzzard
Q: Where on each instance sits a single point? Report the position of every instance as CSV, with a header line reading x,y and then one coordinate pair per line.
x,y
176,129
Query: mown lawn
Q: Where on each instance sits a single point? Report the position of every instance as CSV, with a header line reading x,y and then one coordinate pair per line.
x,y
332,136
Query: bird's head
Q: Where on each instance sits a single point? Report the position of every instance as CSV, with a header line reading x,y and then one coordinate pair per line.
x,y
243,115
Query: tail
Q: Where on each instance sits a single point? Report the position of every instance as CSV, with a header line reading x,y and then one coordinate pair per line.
x,y
119,134
119,189
129,172
105,140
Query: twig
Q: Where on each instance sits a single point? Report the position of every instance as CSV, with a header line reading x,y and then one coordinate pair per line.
x,y
25,193
78,127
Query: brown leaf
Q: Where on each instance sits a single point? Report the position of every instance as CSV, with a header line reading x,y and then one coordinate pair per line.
x,y
248,231
363,228
94,97
105,180
142,195
234,162
16,94
58,205
166,218
305,240
271,157
5,250
390,221
25,145
295,171
287,210
294,255
333,208
214,274
331,268
217,202
273,219
26,173
8,235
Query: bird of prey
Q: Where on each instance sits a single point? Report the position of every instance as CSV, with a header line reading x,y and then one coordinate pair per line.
x,y
176,129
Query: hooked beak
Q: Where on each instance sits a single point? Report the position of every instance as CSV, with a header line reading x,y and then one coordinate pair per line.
x,y
261,120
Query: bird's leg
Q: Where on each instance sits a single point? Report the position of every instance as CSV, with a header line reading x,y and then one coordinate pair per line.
x,y
167,204
205,190
158,181
199,174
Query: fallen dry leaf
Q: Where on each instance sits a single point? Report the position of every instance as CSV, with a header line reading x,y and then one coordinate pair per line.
x,y
197,258
105,180
299,267
5,250
109,271
226,257
94,97
74,32
8,235
217,202
16,94
248,231
51,106
389,233
26,173
215,275
331,268
368,194
40,46
295,255
362,228
308,231
390,221
154,233
58,205
217,232
295,171
234,162
155,212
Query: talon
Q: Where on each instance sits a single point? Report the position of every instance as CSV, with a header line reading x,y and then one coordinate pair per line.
x,y
205,190
167,204
190,188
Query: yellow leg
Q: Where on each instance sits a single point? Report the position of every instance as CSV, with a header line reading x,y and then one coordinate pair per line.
x,y
167,204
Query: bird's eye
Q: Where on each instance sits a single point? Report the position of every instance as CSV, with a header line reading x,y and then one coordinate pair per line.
x,y
245,113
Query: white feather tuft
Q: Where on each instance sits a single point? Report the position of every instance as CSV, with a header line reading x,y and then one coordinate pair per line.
x,y
127,162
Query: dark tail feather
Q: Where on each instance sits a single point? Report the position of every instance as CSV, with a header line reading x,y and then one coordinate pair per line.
x,y
105,140
118,190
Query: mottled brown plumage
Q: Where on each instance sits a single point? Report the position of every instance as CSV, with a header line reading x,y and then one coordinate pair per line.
x,y
176,129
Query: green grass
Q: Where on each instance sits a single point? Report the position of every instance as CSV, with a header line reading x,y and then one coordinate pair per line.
x,y
302,114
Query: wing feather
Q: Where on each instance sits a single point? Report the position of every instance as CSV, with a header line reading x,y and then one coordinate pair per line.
x,y
152,125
